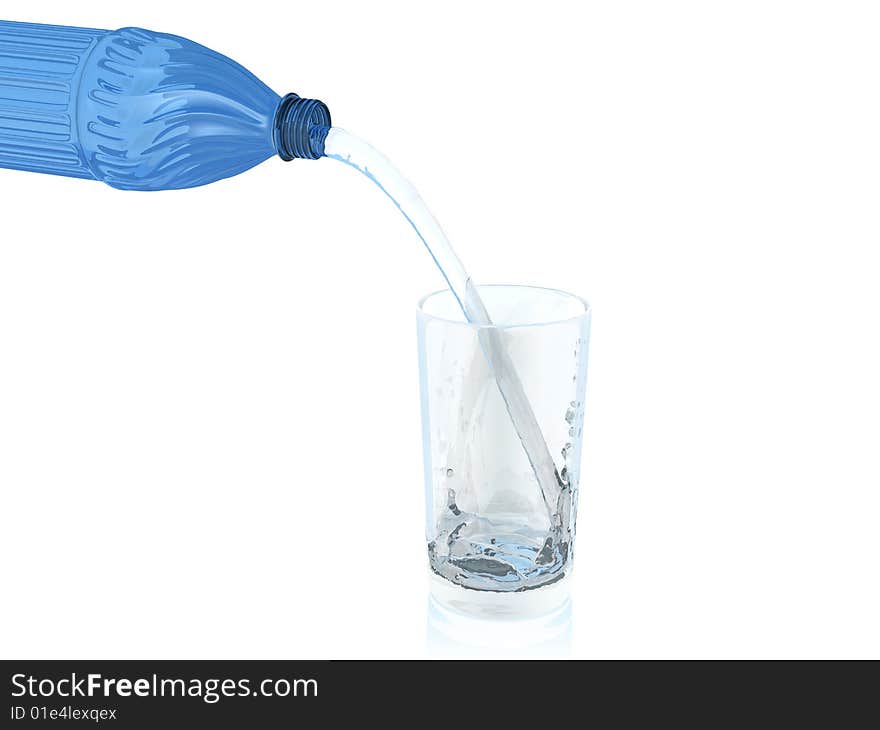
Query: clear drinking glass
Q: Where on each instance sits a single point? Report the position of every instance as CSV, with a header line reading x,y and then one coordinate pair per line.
x,y
495,527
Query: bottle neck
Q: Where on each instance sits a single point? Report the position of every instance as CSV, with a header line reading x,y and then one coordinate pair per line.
x,y
301,126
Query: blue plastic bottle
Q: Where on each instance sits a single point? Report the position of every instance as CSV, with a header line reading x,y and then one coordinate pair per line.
x,y
141,110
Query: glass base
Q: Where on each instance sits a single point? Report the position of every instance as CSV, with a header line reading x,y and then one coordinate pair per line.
x,y
495,605
454,635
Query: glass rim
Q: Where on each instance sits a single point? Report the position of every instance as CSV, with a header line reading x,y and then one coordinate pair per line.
x,y
420,310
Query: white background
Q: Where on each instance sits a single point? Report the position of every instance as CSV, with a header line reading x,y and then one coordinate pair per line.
x,y
206,395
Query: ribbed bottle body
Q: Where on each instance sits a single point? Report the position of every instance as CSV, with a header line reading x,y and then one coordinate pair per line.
x,y
40,70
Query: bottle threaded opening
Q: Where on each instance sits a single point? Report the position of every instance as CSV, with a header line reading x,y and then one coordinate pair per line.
x,y
301,126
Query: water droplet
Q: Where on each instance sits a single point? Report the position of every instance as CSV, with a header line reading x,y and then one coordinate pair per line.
x,y
449,472
570,414
451,505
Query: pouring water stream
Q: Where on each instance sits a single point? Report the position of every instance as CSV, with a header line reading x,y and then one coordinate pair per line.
x,y
342,146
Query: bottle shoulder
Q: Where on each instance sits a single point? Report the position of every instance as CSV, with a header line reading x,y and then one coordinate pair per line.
x,y
157,111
